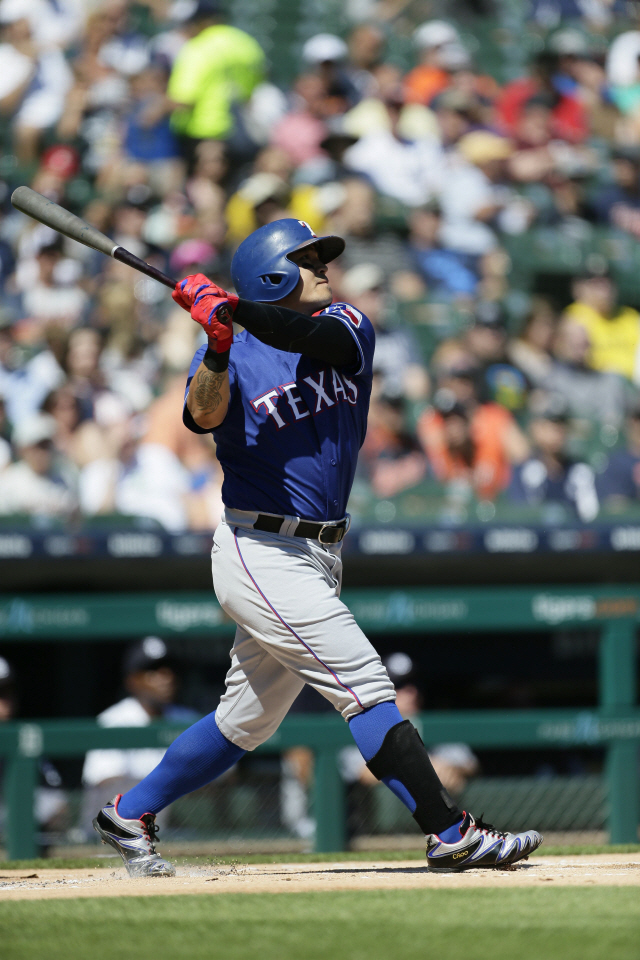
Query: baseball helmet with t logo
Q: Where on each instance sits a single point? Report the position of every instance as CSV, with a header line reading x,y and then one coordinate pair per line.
x,y
261,268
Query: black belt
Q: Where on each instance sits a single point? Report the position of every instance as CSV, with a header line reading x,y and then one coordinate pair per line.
x,y
332,531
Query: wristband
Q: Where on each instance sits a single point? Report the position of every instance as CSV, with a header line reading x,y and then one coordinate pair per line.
x,y
216,362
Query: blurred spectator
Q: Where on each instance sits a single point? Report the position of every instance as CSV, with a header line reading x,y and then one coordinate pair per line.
x,y
549,475
39,483
395,365
355,220
475,191
151,683
407,170
568,116
51,287
496,377
436,41
470,445
8,695
218,67
326,55
35,76
390,454
50,800
618,203
613,330
618,485
531,351
586,392
449,274
160,472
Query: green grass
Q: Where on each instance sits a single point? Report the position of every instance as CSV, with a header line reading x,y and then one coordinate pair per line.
x,y
72,863
564,923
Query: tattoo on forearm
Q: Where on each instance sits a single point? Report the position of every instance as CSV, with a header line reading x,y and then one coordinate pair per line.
x,y
207,391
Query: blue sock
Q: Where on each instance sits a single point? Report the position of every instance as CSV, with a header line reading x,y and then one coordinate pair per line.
x,y
369,729
451,834
196,757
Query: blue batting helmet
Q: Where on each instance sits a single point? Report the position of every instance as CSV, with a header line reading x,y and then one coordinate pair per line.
x,y
261,268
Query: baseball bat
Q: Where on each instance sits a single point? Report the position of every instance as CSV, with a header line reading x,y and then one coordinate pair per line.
x,y
52,215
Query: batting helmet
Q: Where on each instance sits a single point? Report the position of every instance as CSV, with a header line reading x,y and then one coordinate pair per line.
x,y
261,268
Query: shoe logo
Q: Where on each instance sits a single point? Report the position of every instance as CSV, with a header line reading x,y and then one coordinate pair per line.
x,y
459,856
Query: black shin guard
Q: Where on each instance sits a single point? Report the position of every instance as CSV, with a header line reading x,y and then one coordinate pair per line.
x,y
403,757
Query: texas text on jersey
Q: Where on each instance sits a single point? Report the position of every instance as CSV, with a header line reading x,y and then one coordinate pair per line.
x,y
290,440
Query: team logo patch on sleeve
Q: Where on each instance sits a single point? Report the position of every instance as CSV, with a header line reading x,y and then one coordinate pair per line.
x,y
353,316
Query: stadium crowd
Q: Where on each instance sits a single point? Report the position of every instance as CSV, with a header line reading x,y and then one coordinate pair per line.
x,y
158,123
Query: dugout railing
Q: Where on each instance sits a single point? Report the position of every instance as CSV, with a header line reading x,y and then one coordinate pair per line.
x,y
614,725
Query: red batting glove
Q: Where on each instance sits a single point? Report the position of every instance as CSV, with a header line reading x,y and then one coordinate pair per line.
x,y
210,306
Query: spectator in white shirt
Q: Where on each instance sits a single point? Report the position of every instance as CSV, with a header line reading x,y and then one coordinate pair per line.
x,y
151,684
39,483
33,82
407,170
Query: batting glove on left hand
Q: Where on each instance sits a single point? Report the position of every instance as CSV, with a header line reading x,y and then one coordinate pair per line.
x,y
210,306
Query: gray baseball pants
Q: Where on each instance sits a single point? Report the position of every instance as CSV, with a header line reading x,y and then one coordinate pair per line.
x,y
284,594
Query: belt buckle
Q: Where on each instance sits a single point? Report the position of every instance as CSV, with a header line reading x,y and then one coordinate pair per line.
x,y
334,523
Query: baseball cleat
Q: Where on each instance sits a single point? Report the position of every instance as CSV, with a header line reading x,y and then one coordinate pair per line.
x,y
480,845
134,840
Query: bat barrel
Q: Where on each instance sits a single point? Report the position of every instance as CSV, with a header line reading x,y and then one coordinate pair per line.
x,y
52,215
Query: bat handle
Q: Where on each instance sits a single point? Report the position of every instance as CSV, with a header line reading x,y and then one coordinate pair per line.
x,y
119,253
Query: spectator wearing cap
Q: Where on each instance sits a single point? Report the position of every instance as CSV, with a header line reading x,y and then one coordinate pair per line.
x,y
497,378
216,68
326,54
434,40
476,191
38,484
613,330
151,683
550,475
449,274
618,485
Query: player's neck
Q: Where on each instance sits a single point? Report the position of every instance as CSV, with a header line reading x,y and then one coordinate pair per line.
x,y
293,302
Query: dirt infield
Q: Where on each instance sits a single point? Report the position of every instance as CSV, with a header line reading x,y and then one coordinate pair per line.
x,y
602,869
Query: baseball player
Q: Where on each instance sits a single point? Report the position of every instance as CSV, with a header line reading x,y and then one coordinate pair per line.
x,y
287,401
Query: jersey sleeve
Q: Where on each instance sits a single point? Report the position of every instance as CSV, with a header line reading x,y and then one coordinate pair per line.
x,y
361,329
187,419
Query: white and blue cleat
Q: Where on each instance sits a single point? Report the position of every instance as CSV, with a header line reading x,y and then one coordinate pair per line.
x,y
135,841
480,845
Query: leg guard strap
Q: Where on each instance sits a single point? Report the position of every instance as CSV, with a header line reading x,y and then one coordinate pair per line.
x,y
403,757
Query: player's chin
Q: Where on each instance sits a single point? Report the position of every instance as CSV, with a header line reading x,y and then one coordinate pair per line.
x,y
324,296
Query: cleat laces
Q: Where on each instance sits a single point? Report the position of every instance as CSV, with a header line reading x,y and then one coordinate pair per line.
x,y
151,831
488,828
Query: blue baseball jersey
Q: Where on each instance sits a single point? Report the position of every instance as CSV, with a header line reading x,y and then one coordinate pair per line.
x,y
290,440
